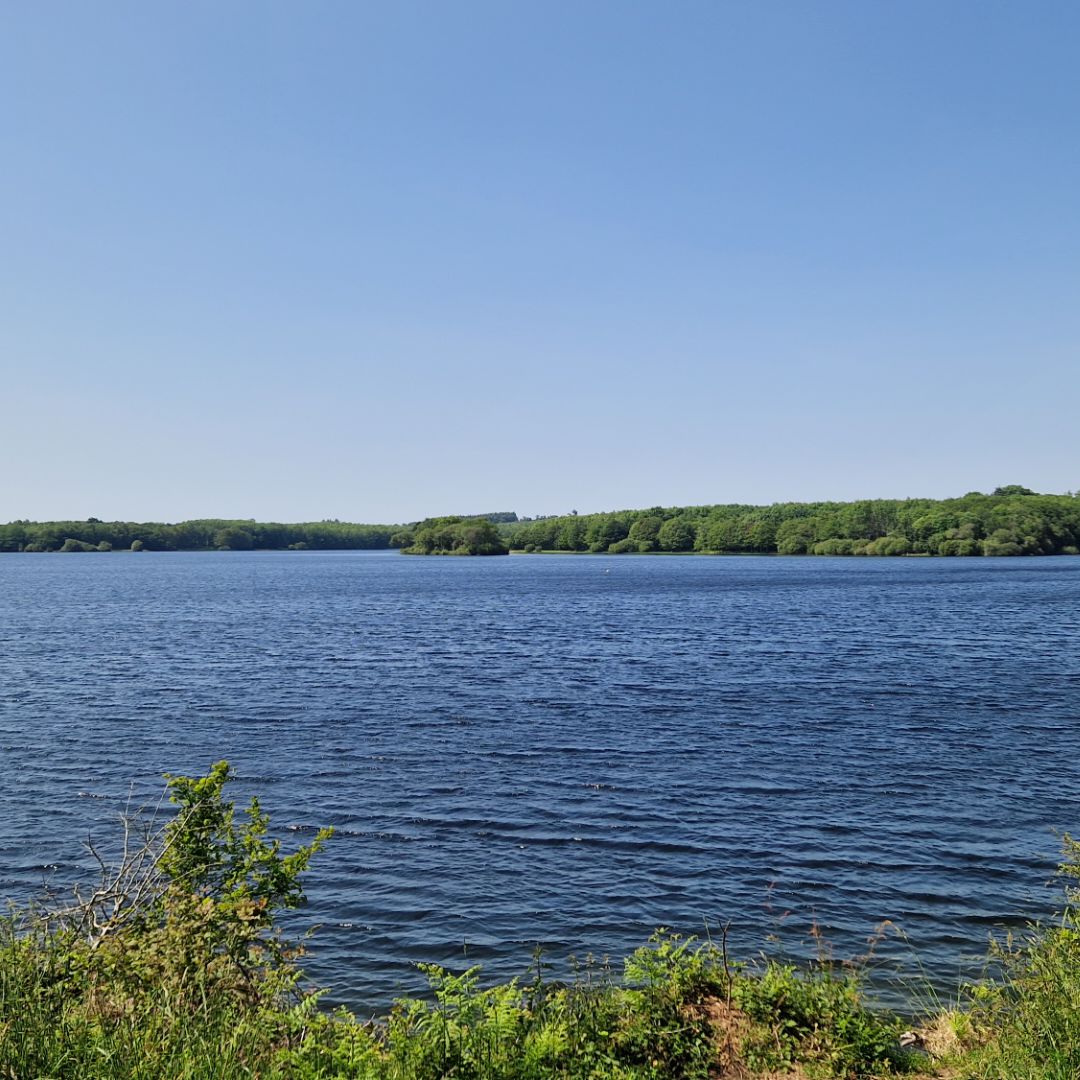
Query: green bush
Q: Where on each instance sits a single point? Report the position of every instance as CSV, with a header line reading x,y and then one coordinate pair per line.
x,y
817,1014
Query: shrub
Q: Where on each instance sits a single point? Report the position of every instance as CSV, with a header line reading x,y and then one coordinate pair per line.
x,y
816,1014
171,964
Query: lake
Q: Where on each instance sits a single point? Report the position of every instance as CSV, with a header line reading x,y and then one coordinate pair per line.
x,y
566,750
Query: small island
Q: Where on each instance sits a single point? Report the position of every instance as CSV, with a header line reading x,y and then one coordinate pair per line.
x,y
452,536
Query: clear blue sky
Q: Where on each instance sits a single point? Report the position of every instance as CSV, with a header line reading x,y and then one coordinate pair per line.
x,y
377,261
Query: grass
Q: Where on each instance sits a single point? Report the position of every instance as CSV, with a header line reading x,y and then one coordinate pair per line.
x,y
673,1012
172,967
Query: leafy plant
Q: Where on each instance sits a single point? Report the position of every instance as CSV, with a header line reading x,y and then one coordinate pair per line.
x,y
172,956
816,1015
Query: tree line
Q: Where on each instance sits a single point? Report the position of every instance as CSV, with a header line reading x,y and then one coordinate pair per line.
x,y
208,534
1012,520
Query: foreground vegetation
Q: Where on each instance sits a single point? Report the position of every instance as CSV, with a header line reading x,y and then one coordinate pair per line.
x,y
1012,520
171,966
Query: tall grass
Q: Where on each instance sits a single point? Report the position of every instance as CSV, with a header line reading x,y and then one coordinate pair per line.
x,y
1024,1024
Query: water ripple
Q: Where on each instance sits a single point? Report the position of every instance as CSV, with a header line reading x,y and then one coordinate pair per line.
x,y
525,751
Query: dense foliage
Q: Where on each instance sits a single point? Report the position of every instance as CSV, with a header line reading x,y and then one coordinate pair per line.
x,y
1010,521
204,535
454,536
172,966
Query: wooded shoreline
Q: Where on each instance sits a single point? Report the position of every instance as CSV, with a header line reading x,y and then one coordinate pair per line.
x,y
1011,520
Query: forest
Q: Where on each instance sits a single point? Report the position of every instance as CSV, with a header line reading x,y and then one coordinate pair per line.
x,y
1011,520
210,534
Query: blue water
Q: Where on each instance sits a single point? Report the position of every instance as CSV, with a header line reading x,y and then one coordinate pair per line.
x,y
566,751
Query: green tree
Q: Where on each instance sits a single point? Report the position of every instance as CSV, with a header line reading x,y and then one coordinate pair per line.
x,y
603,530
457,536
676,534
759,534
795,536
209,854
233,539
646,529
571,535
1002,542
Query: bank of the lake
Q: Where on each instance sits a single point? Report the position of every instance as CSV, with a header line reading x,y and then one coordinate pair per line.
x,y
172,964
